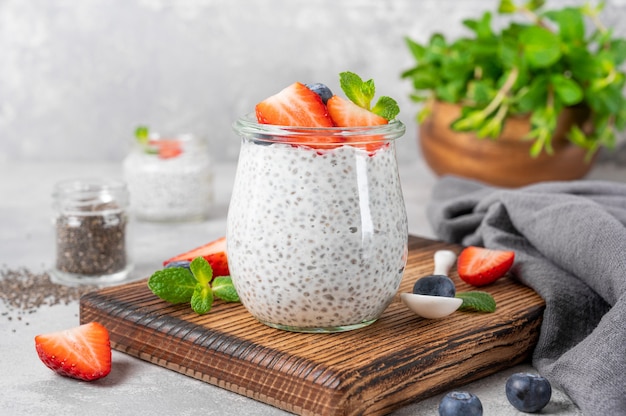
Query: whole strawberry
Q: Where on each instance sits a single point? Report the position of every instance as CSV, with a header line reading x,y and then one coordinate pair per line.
x,y
480,266
82,352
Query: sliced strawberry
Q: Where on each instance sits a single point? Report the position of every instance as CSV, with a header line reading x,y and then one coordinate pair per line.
x,y
345,113
294,106
82,352
480,266
166,149
214,253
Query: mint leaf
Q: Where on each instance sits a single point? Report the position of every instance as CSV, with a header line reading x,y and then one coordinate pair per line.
x,y
202,299
142,133
223,289
180,285
362,93
386,107
477,301
359,92
202,271
174,285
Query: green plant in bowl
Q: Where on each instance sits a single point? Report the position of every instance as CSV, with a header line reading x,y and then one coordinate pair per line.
x,y
536,65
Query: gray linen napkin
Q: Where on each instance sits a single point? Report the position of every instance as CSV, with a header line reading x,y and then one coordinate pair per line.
x,y
570,245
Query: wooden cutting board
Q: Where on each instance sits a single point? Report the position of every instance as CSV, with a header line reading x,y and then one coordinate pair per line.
x,y
399,359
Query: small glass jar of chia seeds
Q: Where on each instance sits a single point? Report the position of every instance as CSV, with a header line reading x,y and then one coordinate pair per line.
x,y
90,223
170,178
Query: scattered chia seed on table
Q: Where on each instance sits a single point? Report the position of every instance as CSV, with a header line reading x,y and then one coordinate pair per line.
x,y
23,292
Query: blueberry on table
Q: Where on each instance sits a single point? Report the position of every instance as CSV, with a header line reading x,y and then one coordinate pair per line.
x,y
460,403
435,285
528,392
322,90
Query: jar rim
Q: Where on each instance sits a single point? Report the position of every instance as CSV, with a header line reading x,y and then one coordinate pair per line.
x,y
248,126
86,191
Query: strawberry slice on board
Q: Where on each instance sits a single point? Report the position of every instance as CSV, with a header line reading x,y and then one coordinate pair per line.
x,y
214,253
82,352
480,266
345,113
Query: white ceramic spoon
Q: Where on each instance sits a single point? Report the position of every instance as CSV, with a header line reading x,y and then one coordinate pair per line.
x,y
434,307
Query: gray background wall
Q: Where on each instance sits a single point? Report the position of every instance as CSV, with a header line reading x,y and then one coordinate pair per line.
x,y
77,76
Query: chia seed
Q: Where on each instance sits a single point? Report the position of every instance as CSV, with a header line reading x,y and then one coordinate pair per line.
x,y
23,292
92,245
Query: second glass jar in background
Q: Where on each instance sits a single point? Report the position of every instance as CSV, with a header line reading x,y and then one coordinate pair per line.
x,y
170,178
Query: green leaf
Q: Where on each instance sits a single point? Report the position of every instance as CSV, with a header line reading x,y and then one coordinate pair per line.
x,y
202,270
567,89
507,7
481,27
533,5
359,92
618,49
415,48
362,92
471,121
570,22
535,95
224,289
386,107
477,301
142,134
491,128
202,299
541,46
174,285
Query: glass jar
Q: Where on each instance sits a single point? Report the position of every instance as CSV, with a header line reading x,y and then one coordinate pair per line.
x,y
170,179
317,226
91,232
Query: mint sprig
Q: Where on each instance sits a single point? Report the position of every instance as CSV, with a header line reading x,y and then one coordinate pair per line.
x,y
477,302
194,285
362,93
142,134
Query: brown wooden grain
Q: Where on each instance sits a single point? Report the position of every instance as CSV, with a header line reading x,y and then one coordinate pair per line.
x,y
399,359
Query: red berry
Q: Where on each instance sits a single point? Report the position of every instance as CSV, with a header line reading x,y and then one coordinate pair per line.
x,y
213,252
480,266
345,113
82,352
295,106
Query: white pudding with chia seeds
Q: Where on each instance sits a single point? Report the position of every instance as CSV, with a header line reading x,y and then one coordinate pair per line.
x,y
317,238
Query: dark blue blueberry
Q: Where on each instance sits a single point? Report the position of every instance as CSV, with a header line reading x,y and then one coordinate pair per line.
x,y
180,263
322,90
435,285
460,403
263,139
528,392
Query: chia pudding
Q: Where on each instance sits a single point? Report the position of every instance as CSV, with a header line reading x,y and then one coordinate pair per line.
x,y
170,189
317,239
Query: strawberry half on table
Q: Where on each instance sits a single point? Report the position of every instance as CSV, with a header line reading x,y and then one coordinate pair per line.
x,y
214,253
82,352
480,266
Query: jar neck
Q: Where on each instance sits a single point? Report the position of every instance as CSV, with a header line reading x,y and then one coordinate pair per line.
x,y
248,127
90,195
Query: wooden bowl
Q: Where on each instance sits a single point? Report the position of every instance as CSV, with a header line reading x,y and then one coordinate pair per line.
x,y
503,162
